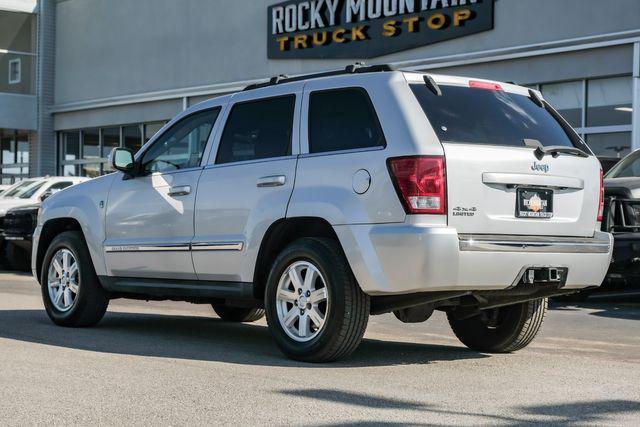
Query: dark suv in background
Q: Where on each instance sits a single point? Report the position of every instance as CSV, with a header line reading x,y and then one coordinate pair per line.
x,y
622,218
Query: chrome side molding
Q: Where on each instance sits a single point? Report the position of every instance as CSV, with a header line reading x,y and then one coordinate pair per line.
x,y
148,248
218,246
198,247
543,244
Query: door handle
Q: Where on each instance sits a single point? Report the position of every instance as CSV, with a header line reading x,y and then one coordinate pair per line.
x,y
272,181
182,190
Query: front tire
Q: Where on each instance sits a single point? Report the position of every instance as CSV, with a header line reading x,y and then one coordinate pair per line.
x,y
315,309
501,330
238,314
71,292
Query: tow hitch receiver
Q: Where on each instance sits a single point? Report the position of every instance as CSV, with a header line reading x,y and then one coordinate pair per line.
x,y
544,275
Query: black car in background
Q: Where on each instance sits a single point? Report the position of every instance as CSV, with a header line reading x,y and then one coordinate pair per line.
x,y
19,225
622,218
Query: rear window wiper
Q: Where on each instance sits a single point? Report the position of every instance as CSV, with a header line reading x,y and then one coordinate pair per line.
x,y
432,85
555,150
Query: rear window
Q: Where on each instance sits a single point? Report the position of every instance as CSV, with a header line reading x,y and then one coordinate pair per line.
x,y
494,117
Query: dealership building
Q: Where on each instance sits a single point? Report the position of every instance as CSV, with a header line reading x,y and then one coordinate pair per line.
x,y
79,77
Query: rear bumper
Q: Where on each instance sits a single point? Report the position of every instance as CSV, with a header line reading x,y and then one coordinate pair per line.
x,y
407,258
599,244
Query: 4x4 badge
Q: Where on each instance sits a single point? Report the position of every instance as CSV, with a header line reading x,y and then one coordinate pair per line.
x,y
460,211
540,167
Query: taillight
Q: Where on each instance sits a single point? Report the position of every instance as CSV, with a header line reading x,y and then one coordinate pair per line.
x,y
484,85
421,183
601,203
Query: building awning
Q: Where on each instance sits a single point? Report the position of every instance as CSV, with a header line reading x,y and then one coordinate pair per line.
x,y
28,6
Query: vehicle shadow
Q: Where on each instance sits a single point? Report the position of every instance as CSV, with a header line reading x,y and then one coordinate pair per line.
x,y
575,413
202,338
610,310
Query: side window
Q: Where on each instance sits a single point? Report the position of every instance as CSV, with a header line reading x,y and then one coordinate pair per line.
x,y
343,119
182,146
60,186
258,130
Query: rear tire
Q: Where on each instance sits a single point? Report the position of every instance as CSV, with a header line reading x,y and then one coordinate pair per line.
x,y
68,268
315,308
238,314
501,330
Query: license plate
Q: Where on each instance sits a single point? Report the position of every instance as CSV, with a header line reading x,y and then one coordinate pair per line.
x,y
534,203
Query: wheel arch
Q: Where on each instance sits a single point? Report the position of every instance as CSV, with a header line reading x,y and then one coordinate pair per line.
x,y
280,234
50,229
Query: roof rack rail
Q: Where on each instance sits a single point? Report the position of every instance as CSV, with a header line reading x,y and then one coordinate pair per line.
x,y
357,68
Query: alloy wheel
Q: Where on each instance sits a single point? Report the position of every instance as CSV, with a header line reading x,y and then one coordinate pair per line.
x,y
302,301
63,280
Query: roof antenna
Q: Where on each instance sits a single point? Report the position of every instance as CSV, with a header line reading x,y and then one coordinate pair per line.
x,y
353,67
277,79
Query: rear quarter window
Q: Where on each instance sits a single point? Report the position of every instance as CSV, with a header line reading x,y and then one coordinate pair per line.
x,y
494,117
343,119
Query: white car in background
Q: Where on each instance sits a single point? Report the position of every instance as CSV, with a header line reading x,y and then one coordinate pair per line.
x,y
12,190
30,192
35,190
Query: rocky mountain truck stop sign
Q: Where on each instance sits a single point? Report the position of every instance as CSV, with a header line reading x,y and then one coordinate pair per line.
x,y
370,28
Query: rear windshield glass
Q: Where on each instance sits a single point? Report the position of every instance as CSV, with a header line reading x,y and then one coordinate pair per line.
x,y
481,116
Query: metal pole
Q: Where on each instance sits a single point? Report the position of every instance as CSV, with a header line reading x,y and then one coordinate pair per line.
x,y
635,137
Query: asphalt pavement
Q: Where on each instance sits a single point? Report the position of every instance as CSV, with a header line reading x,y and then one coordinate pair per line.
x,y
168,363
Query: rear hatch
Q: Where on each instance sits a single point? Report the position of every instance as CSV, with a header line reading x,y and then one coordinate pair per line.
x,y
498,182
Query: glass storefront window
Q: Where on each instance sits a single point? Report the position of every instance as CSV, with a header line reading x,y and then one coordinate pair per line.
x,y
90,144
23,150
84,152
70,145
14,153
91,170
567,98
8,147
17,52
110,140
151,129
132,137
15,172
71,170
609,101
17,31
610,144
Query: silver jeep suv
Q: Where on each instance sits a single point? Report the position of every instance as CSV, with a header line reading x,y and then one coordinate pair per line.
x,y
322,199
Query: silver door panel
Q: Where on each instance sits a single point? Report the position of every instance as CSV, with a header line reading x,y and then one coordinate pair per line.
x,y
143,214
233,209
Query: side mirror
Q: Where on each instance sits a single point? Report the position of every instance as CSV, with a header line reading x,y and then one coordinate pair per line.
x,y
44,196
121,159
